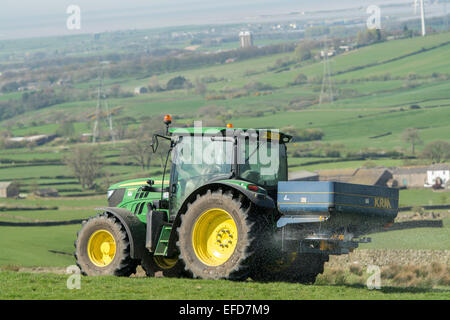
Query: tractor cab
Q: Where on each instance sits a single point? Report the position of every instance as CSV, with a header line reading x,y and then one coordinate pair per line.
x,y
201,156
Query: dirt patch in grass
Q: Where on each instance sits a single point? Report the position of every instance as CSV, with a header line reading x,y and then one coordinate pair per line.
x,y
62,270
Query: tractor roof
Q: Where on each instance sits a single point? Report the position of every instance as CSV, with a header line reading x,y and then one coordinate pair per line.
x,y
230,131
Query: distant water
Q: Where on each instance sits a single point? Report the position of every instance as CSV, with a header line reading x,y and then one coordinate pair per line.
x,y
49,18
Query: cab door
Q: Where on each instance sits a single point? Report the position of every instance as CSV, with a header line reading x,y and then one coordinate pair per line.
x,y
195,162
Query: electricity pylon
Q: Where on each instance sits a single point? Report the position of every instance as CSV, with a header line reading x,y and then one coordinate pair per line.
x,y
99,114
327,82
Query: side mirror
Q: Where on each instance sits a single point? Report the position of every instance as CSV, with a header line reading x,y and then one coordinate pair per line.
x,y
155,143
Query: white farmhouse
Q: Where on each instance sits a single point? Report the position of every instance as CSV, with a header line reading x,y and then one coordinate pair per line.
x,y
438,171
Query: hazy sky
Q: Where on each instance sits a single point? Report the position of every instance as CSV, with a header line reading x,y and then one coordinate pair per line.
x,y
36,7
22,18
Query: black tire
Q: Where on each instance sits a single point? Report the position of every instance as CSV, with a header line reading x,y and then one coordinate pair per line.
x,y
239,263
171,269
121,265
294,267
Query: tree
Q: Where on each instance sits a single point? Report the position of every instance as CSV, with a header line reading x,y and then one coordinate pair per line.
x,y
121,129
303,51
311,134
200,87
179,82
369,36
150,126
437,151
66,129
300,79
140,151
10,87
411,135
154,85
85,164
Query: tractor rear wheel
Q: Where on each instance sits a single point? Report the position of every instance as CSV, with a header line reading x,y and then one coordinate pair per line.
x,y
292,267
218,236
102,248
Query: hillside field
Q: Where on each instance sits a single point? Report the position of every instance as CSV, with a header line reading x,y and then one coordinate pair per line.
x,y
375,107
377,94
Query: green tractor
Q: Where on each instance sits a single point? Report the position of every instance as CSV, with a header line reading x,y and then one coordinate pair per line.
x,y
228,211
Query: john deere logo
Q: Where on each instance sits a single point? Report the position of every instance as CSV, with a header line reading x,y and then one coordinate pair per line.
x,y
383,203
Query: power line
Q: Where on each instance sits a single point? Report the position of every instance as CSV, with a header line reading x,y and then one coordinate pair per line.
x,y
111,130
326,93
98,113
95,132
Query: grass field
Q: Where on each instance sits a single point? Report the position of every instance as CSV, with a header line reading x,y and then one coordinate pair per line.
x,y
423,197
50,247
299,164
412,239
50,286
374,108
38,246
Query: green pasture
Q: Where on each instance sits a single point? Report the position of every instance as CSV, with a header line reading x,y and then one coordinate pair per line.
x,y
19,285
412,239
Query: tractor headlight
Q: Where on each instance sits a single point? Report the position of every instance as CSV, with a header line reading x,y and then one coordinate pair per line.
x,y
115,197
110,193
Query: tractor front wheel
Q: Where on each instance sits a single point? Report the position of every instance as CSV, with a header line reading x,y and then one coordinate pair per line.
x,y
102,248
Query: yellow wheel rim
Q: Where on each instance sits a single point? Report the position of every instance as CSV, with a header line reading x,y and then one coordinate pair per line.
x,y
101,248
165,263
214,237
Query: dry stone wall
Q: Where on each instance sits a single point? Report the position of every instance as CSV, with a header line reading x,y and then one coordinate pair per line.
x,y
385,257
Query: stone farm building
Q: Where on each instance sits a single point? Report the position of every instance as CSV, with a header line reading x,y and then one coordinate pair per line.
x,y
9,190
140,90
39,139
410,177
401,177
